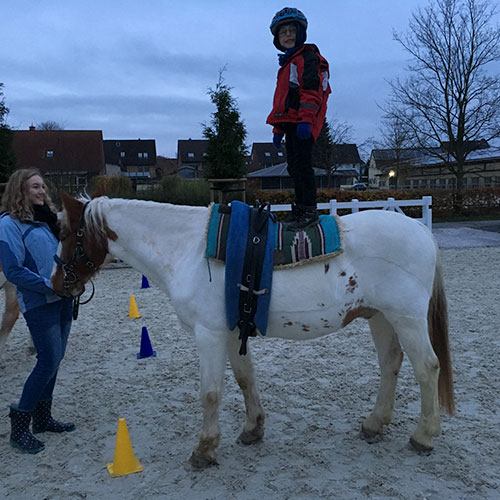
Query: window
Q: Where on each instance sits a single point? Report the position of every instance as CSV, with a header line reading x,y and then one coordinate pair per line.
x,y
433,183
122,154
280,153
475,181
139,155
190,155
117,144
49,154
487,181
145,155
267,153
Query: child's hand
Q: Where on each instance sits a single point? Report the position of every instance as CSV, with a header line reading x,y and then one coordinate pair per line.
x,y
304,131
277,138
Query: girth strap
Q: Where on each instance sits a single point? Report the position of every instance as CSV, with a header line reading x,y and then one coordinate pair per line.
x,y
252,271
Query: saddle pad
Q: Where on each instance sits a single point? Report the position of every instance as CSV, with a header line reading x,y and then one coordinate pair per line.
x,y
323,240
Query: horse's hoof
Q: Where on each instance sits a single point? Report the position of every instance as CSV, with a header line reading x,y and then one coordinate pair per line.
x,y
420,448
250,437
200,463
370,437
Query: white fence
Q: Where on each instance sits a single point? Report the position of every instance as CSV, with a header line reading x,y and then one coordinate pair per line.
x,y
389,204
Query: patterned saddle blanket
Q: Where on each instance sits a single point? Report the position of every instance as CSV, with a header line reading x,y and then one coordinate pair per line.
x,y
290,248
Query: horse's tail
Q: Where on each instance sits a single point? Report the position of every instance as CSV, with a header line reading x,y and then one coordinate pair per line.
x,y
437,320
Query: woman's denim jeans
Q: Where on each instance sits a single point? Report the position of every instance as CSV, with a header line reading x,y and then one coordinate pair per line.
x,y
49,326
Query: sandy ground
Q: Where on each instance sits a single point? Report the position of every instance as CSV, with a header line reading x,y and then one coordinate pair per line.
x,y
315,394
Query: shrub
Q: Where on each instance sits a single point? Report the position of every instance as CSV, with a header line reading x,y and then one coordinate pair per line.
x,y
174,189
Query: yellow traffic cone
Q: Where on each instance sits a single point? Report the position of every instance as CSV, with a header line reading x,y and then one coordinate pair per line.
x,y
125,462
133,312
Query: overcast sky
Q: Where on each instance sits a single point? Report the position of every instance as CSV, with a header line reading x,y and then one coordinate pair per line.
x,y
141,69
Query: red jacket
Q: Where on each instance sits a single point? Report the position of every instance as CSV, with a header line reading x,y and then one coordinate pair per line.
x,y
302,91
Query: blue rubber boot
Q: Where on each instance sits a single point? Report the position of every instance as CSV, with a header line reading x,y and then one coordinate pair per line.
x,y
20,435
43,421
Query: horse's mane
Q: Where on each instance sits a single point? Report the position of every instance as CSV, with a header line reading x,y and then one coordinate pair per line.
x,y
95,219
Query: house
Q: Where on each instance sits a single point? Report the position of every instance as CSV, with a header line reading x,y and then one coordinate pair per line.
x,y
190,156
345,171
165,167
277,177
346,166
68,158
421,168
264,155
134,158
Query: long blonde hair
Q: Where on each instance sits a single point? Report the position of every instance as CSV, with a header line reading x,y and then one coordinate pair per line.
x,y
15,198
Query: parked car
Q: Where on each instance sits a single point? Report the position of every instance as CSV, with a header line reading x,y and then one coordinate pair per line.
x,y
359,186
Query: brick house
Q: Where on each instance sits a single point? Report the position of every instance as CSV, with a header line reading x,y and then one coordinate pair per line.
x,y
68,158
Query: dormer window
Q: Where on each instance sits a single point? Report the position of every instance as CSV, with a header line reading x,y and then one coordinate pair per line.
x,y
139,155
49,154
280,153
145,155
268,154
190,155
122,154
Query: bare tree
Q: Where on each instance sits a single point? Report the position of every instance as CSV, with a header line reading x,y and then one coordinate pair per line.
x,y
449,102
397,138
333,133
49,125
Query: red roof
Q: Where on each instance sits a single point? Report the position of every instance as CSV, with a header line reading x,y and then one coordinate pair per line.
x,y
60,151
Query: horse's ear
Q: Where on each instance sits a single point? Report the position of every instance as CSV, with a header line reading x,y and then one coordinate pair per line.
x,y
72,205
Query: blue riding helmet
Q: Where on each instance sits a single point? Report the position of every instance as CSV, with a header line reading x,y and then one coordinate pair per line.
x,y
287,15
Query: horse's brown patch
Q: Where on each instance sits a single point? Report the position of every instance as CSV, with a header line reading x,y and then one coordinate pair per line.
x,y
288,323
342,273
327,267
351,284
357,312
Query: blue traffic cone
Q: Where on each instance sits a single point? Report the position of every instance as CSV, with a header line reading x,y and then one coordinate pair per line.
x,y
146,348
145,283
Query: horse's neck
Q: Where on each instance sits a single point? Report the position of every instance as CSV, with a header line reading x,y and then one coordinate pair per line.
x,y
155,237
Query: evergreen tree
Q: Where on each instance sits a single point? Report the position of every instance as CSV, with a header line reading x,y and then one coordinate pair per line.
x,y
226,136
7,160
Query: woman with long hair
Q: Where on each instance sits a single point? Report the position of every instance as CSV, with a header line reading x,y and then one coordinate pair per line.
x,y
29,235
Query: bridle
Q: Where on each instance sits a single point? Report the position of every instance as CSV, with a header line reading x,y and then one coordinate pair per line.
x,y
70,276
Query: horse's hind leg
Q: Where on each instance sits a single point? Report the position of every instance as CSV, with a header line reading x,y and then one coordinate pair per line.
x,y
414,338
242,366
10,314
213,353
390,357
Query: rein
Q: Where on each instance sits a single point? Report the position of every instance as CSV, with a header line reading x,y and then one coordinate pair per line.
x,y
68,268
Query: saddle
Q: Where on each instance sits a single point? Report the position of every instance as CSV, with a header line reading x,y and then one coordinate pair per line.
x,y
249,280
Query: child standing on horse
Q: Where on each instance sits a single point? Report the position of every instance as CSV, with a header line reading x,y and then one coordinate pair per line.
x,y
299,108
29,236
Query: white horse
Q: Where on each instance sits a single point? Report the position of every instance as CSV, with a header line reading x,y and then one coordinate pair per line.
x,y
11,311
388,273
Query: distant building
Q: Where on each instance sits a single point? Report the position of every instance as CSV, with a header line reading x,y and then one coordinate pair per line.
x,y
346,166
421,168
345,170
136,158
68,158
277,177
264,155
165,167
190,156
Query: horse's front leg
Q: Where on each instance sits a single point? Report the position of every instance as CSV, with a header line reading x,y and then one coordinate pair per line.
x,y
213,353
390,357
242,366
